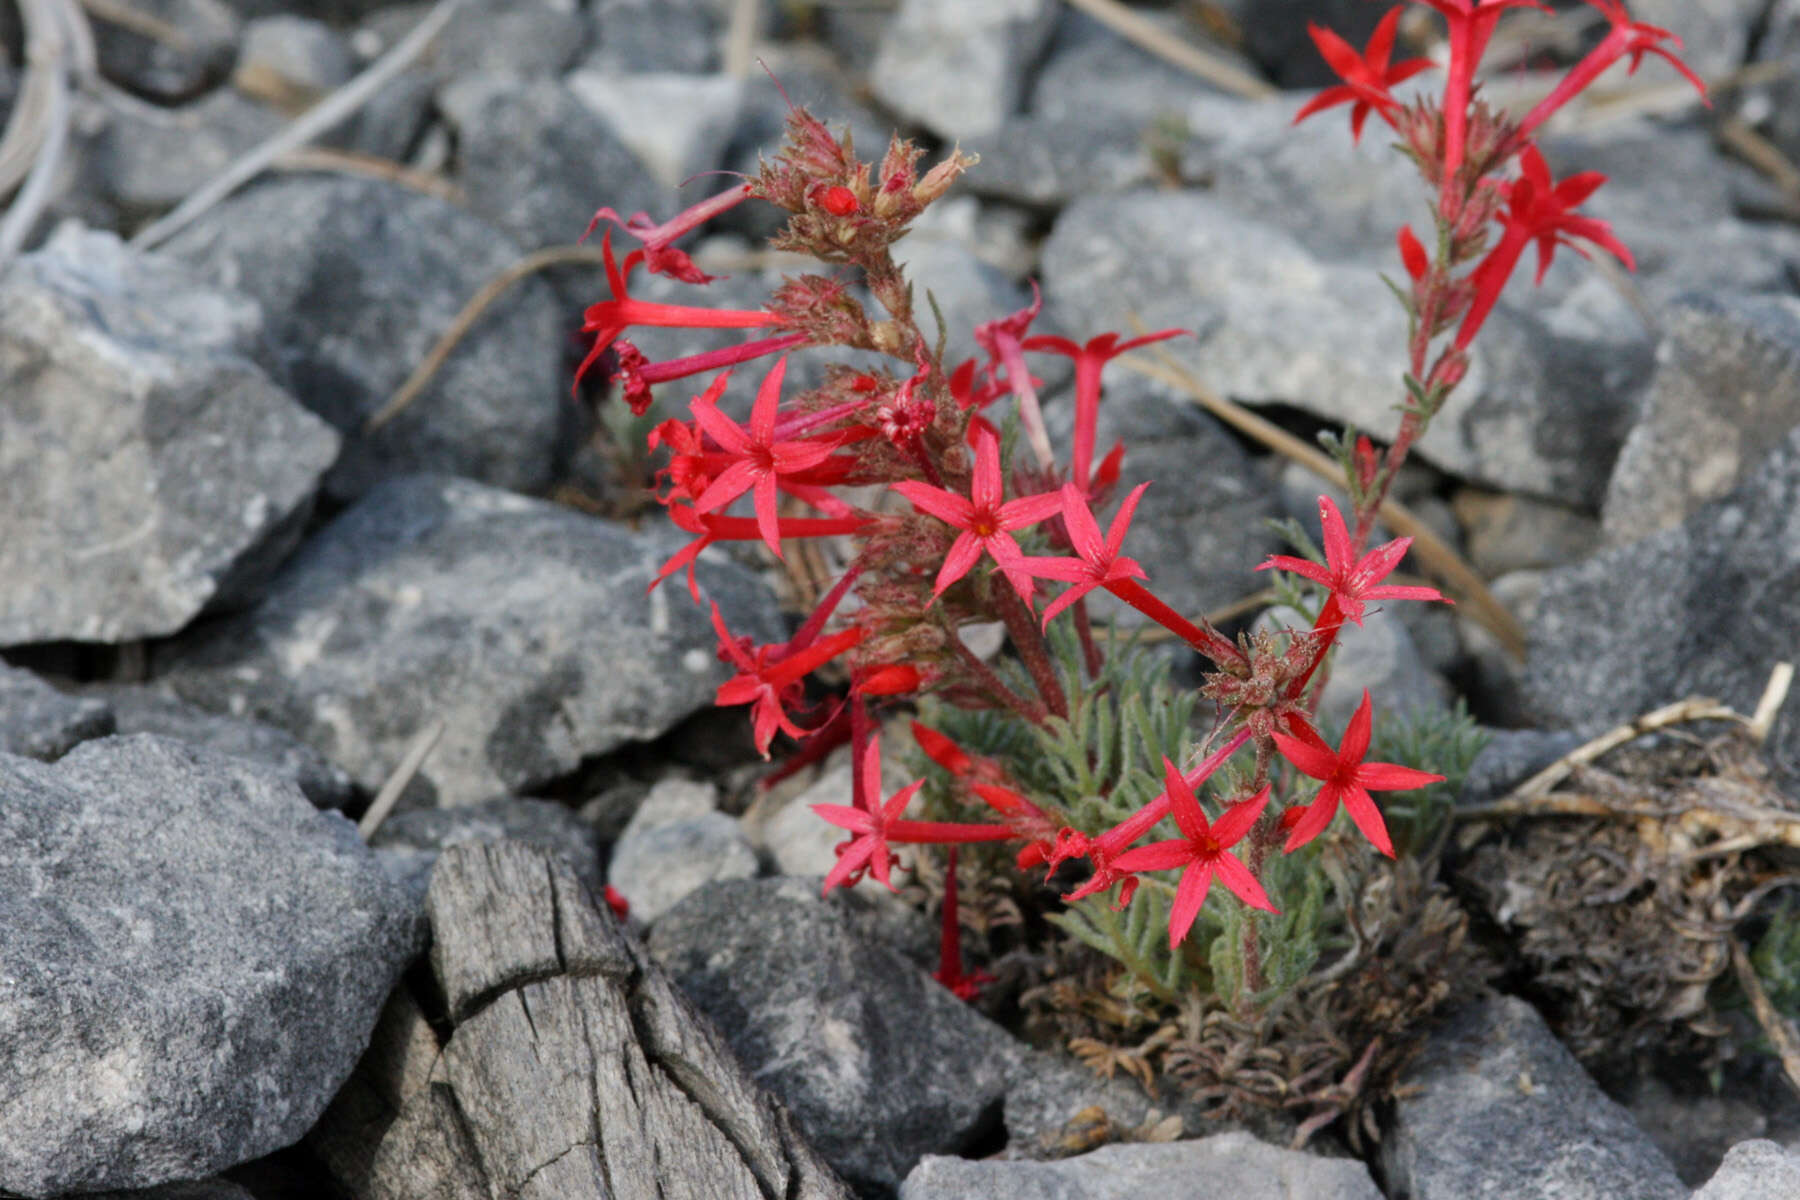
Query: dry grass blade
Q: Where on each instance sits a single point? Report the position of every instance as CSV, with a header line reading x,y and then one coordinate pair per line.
x,y
1779,1029
741,34
323,116
349,162
1142,32
416,752
1433,552
471,312
1741,138
1694,708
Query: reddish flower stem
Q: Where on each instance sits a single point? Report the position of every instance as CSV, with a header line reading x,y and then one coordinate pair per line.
x,y
1034,651
1201,636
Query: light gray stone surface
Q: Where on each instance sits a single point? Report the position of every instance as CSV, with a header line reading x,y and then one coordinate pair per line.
x,y
1501,1108
360,278
37,721
167,68
537,161
150,468
877,1062
140,709
1726,389
678,125
524,626
960,69
1226,1164
1274,321
677,843
1754,1170
194,958
1706,608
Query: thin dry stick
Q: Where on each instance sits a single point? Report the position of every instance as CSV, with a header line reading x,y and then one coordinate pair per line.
x,y
1432,551
410,762
1141,31
471,312
1779,1029
1761,153
741,32
58,43
1693,708
349,162
320,118
1774,695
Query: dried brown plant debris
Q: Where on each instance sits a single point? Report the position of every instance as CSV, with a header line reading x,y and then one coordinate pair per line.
x,y
1621,891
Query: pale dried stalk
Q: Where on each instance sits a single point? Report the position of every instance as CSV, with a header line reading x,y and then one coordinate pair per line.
x,y
465,320
1779,1029
416,751
336,108
1142,32
1462,579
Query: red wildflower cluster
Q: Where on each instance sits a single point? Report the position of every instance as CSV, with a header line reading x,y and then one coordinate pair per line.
x,y
902,467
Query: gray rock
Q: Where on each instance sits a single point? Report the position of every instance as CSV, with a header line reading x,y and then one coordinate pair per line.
x,y
1510,757
537,161
1497,687
217,1188
939,256
654,35
415,838
37,721
522,625
678,126
1514,533
878,1064
519,37
366,276
960,69
170,68
153,470
672,848
1696,1126
1754,1170
1048,1092
304,53
141,709
1726,388
1275,35
1503,1109
1231,1164
1275,322
195,958
1705,608
1715,34
137,158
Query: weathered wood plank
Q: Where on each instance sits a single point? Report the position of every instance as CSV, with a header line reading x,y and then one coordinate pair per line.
x,y
573,1068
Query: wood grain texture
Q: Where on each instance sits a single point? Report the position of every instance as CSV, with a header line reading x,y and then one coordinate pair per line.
x,y
572,1067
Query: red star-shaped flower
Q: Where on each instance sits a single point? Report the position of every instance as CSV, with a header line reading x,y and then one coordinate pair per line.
x,y
985,522
1541,210
1352,581
1347,778
760,460
1368,78
1101,561
1202,852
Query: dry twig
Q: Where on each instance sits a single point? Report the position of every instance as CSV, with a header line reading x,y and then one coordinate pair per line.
x,y
1779,1029
471,312
1142,32
1433,552
416,752
322,117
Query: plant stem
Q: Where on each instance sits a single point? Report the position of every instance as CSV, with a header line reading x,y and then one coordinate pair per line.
x,y
1028,639
996,688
